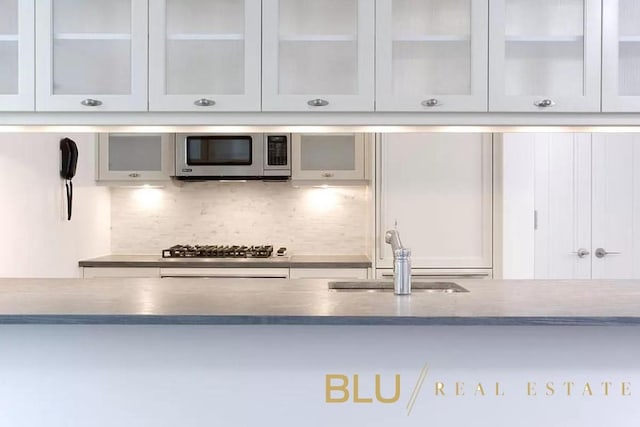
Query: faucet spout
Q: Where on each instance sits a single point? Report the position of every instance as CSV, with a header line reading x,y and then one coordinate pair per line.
x,y
401,263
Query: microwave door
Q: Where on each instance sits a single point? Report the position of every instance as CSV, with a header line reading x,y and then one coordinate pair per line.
x,y
219,155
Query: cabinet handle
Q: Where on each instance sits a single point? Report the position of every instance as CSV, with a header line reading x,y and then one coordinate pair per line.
x,y
544,103
91,102
601,253
134,175
327,175
430,103
318,102
204,102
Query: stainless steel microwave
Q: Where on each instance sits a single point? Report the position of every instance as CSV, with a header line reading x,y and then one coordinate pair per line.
x,y
233,156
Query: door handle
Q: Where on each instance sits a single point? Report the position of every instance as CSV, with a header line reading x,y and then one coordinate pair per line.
x,y
582,252
601,253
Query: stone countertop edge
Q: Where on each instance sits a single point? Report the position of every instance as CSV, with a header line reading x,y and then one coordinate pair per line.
x,y
366,321
299,261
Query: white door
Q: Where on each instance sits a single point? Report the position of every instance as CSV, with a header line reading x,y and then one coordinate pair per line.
x,y
431,55
438,188
204,55
318,55
328,157
562,205
616,206
544,55
92,55
16,55
621,55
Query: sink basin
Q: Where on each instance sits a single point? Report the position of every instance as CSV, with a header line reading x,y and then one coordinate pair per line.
x,y
387,286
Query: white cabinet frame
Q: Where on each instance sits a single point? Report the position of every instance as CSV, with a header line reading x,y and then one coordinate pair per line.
x,y
160,101
46,100
590,102
24,99
363,100
479,50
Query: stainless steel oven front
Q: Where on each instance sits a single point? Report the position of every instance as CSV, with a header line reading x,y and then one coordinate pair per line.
x,y
233,156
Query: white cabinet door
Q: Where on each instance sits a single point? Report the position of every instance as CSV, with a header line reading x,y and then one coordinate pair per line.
x,y
135,157
616,206
438,188
431,55
544,55
92,55
16,55
621,55
107,272
328,157
562,194
318,55
204,55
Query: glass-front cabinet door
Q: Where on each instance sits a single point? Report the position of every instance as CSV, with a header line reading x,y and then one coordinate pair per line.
x,y
318,55
544,55
431,55
16,55
135,157
204,55
621,55
328,157
92,55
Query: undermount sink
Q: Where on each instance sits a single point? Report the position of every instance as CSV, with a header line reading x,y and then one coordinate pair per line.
x,y
387,286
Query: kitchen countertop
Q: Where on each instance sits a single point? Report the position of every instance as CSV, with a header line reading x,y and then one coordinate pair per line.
x,y
309,302
294,261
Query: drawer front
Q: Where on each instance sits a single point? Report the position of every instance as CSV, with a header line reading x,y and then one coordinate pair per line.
x,y
222,273
97,272
329,273
438,274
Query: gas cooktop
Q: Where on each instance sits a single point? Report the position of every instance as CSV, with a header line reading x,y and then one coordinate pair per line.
x,y
220,251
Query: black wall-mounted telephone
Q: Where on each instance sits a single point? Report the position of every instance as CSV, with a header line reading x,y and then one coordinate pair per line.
x,y
69,161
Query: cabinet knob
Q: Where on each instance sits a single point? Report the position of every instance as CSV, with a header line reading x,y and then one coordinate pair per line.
x,y
134,175
430,103
318,102
544,103
91,102
327,175
204,102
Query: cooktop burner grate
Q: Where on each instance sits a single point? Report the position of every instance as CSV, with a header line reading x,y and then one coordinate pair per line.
x,y
218,251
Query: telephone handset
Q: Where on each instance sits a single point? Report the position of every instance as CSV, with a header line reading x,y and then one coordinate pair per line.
x,y
69,161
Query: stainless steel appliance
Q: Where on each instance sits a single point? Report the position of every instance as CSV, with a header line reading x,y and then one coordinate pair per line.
x,y
233,156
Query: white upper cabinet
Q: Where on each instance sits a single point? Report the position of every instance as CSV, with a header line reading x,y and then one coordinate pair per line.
x,y
135,157
544,55
318,55
16,55
431,55
92,55
204,55
621,55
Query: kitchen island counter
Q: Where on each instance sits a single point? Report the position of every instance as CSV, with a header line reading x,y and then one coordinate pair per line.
x,y
309,302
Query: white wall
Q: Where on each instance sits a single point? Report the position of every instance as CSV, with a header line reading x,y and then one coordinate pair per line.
x,y
37,240
305,220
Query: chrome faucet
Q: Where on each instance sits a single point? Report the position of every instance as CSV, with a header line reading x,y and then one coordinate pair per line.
x,y
401,263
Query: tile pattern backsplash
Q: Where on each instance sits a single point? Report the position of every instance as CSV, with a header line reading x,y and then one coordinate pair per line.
x,y
306,220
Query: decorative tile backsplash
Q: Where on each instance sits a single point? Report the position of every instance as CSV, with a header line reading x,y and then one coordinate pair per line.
x,y
306,220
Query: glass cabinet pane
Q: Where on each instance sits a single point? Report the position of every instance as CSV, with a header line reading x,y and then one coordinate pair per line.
x,y
431,47
205,47
9,47
628,48
322,152
135,153
544,47
318,47
91,47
